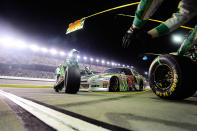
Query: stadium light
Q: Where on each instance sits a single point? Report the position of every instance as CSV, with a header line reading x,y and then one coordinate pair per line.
x,y
108,62
103,62
53,51
97,60
34,47
21,44
177,39
91,59
123,65
127,66
118,64
85,58
62,53
146,73
78,57
112,63
70,55
132,67
44,50
7,41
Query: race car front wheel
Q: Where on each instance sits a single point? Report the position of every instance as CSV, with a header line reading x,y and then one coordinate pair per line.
x,y
72,80
170,77
114,84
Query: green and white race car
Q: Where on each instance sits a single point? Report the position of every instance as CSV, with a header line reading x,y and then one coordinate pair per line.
x,y
117,79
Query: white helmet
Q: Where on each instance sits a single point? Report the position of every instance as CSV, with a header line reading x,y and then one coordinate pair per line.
x,y
87,68
73,51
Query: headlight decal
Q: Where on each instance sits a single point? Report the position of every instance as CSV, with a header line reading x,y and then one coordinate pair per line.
x,y
105,83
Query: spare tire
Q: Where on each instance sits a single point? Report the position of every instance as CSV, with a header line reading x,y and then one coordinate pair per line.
x,y
72,80
170,77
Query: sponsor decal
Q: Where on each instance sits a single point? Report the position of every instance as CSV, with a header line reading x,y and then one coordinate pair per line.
x,y
106,79
105,83
171,89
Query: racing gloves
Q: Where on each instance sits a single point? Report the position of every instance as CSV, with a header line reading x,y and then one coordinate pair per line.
x,y
129,37
135,36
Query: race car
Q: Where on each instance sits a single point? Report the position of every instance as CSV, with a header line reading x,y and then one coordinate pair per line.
x,y
84,79
117,79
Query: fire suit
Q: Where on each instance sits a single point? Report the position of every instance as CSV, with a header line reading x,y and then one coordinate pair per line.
x,y
188,43
187,9
58,73
72,61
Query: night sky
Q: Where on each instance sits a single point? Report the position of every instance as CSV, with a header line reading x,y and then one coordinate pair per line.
x,y
46,22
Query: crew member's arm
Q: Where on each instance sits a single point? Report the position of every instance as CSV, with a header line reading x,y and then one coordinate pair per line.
x,y
144,11
186,10
77,65
189,42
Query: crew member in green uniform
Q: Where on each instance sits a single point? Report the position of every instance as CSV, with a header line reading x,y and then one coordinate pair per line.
x,y
70,61
88,71
185,12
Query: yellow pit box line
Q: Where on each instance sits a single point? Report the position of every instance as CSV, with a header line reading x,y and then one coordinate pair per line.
x,y
26,86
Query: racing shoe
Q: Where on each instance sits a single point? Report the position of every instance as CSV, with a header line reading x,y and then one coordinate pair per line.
x,y
56,88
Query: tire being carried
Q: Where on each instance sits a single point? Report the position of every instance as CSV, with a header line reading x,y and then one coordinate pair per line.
x,y
72,80
170,77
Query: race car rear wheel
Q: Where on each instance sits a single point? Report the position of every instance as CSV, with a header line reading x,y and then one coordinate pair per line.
x,y
114,84
170,77
72,80
141,85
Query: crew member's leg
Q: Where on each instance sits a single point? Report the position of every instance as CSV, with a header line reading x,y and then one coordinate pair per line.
x,y
189,42
184,13
57,79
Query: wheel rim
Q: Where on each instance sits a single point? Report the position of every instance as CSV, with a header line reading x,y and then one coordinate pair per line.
x,y
163,77
114,84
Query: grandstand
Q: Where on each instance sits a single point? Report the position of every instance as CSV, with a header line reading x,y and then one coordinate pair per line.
x,y
21,63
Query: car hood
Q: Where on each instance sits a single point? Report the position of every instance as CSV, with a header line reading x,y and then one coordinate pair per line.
x,y
86,77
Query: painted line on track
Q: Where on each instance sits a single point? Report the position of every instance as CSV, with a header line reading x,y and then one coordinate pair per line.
x,y
26,86
47,86
53,118
119,93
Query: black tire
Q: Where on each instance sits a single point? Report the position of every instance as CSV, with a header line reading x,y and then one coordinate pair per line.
x,y
170,77
114,84
72,80
141,85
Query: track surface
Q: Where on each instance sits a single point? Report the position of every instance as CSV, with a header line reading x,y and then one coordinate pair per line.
x,y
133,112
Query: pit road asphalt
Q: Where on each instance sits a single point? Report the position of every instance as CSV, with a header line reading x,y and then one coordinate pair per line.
x,y
139,112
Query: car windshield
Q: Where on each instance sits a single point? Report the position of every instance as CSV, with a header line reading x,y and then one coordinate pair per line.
x,y
114,70
119,71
